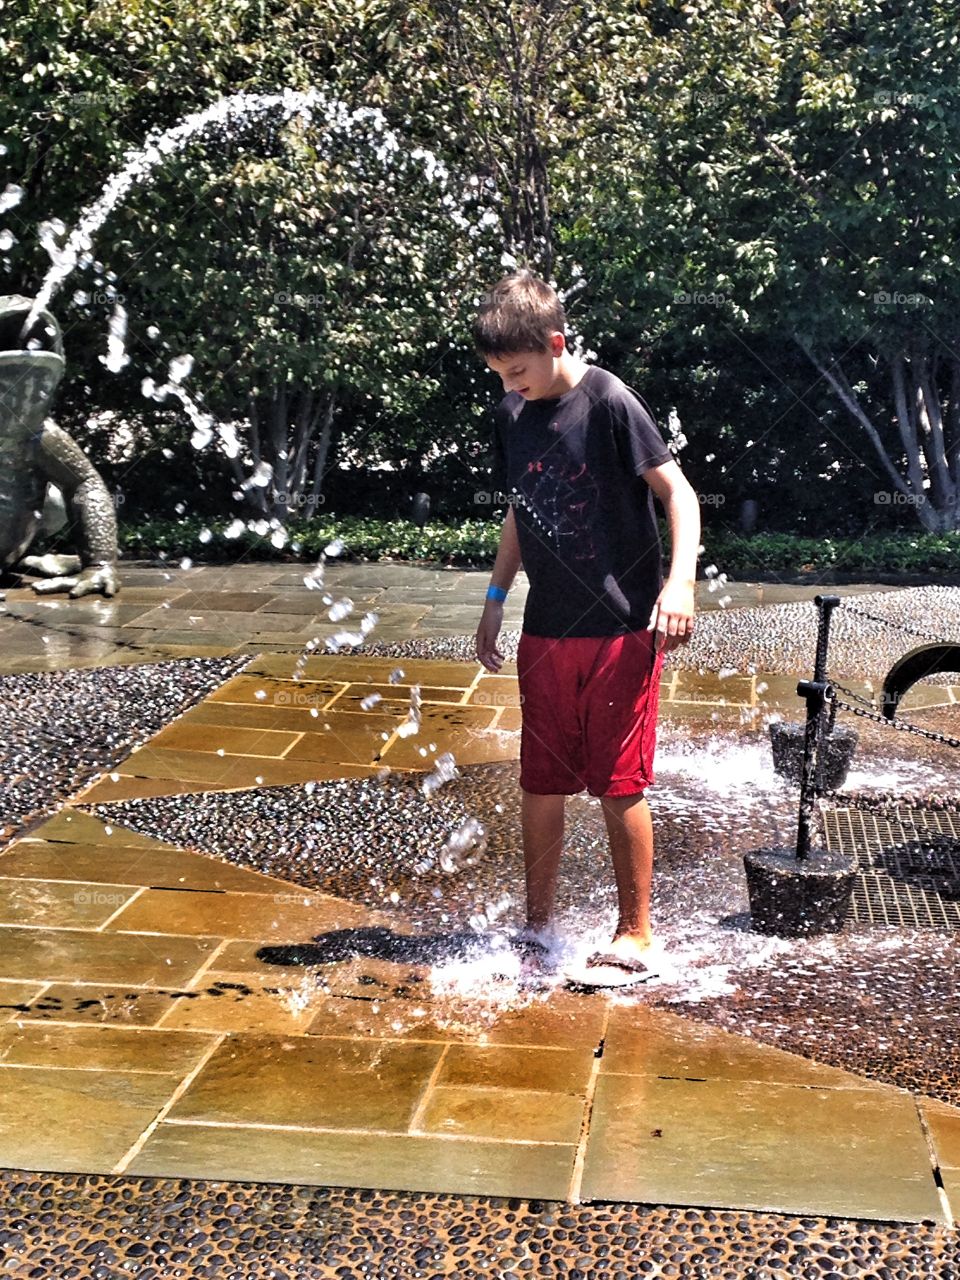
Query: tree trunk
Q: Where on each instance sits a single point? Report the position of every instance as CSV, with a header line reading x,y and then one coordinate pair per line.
x,y
279,447
906,421
942,486
952,424
321,453
306,425
293,449
256,495
509,127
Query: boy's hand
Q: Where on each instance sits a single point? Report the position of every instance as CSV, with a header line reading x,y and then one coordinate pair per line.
x,y
491,620
672,616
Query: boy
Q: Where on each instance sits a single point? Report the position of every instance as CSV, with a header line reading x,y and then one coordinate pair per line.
x,y
581,458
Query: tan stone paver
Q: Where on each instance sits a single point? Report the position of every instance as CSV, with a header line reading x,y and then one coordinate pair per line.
x,y
738,1144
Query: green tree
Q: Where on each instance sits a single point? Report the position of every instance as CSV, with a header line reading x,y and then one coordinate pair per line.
x,y
788,176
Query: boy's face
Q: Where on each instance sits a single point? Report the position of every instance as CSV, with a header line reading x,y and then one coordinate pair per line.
x,y
532,373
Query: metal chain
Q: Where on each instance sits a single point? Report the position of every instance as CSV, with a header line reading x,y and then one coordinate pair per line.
x,y
899,626
865,702
872,714
897,724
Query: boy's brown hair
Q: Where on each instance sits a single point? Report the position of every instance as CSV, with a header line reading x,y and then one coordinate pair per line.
x,y
518,314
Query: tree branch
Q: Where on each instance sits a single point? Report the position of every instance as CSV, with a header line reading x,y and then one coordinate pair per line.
x,y
848,397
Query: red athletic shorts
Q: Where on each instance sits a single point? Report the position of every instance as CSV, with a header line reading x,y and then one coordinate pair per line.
x,y
589,713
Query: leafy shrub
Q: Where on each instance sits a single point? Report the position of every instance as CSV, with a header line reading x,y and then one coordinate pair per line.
x,y
474,542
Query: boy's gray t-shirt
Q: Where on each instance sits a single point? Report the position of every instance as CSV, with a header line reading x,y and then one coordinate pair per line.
x,y
572,469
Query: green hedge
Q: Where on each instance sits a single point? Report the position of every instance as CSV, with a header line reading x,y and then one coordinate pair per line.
x,y
784,553
474,542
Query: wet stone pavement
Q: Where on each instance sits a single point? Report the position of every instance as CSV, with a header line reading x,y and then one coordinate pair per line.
x,y
256,981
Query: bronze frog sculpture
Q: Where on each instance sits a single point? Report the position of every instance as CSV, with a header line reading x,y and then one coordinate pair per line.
x,y
45,477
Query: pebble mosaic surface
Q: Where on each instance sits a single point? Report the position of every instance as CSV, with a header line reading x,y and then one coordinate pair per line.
x,y
158,1229
61,727
883,1004
775,638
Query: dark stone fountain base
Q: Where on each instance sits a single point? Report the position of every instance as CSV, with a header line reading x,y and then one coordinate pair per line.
x,y
786,739
796,899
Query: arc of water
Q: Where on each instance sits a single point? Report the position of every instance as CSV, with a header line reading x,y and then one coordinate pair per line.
x,y
159,145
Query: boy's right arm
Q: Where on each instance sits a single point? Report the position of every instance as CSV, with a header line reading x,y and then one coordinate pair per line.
x,y
505,569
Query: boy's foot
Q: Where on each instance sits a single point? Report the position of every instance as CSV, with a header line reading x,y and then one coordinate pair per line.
x,y
537,961
613,968
533,944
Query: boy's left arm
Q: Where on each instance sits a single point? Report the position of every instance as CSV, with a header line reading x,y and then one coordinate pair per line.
x,y
672,615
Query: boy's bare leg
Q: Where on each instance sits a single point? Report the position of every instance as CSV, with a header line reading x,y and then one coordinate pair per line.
x,y
542,823
630,831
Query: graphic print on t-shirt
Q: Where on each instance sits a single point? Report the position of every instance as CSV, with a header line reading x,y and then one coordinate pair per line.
x,y
562,496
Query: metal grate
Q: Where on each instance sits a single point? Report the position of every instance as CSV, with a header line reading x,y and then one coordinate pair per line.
x,y
909,862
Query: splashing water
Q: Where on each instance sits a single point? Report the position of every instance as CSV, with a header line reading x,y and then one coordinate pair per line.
x,y
741,774
411,725
179,368
313,581
463,846
693,961
344,640
140,166
340,609
116,357
203,423
721,765
259,477
705,948
10,197
445,771
141,163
